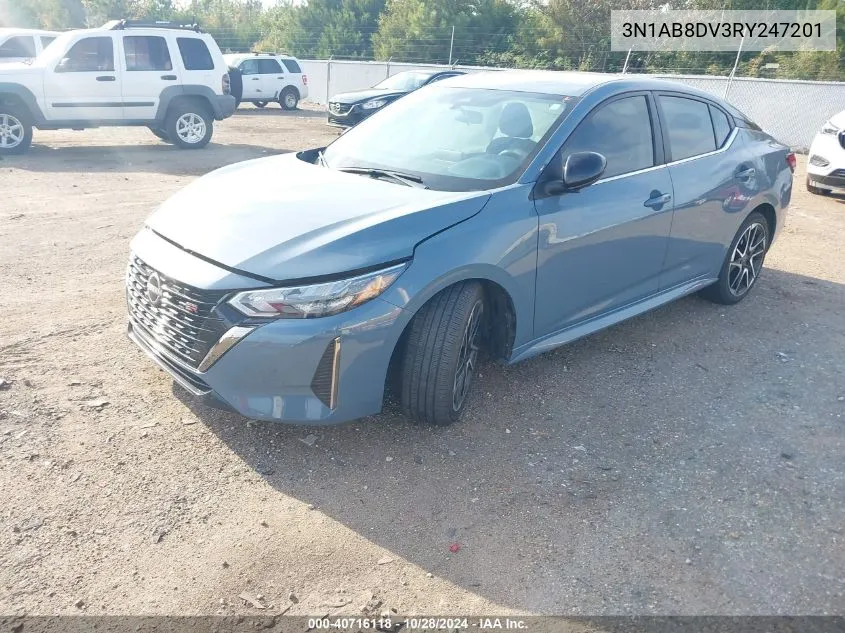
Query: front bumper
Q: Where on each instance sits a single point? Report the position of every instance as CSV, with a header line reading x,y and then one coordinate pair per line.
x,y
834,182
309,371
348,119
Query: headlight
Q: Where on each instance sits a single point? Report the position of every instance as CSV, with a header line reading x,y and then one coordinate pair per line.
x,y
318,300
372,105
829,128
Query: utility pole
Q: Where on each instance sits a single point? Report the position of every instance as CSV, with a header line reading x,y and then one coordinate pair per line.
x,y
452,45
733,72
627,57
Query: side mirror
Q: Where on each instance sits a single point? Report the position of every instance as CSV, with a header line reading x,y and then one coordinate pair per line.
x,y
582,169
62,66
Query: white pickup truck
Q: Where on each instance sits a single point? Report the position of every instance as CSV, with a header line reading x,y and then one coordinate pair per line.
x,y
171,79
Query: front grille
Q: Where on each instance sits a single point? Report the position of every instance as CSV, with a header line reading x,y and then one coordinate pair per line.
x,y
180,319
339,108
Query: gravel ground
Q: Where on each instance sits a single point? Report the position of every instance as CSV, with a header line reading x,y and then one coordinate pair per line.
x,y
689,461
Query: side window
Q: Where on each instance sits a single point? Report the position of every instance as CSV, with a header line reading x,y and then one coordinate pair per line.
x,y
92,54
292,66
21,46
689,127
249,67
721,125
619,130
46,40
146,53
268,67
195,55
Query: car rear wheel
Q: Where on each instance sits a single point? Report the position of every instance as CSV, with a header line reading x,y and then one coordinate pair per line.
x,y
441,354
189,126
289,99
816,190
260,104
15,130
743,263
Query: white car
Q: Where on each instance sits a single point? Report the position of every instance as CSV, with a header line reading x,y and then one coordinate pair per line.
x,y
270,77
22,45
826,163
171,79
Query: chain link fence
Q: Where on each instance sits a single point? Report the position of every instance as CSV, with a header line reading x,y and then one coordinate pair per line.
x,y
792,111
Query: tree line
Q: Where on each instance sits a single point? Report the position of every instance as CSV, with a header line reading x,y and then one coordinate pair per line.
x,y
550,34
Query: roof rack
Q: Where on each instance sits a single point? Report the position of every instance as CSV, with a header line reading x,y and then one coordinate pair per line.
x,y
121,25
268,53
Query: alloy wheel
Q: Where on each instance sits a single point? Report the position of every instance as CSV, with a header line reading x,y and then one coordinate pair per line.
x,y
747,259
467,357
11,131
290,100
191,128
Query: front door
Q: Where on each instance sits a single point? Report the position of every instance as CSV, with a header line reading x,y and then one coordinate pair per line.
x,y
272,78
602,248
84,85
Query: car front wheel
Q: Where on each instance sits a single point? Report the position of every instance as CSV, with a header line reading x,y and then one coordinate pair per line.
x,y
743,263
441,354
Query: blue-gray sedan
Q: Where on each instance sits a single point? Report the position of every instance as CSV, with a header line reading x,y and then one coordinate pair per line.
x,y
495,213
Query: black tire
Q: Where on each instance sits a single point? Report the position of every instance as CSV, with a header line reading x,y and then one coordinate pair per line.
x,y
160,134
260,104
198,112
723,291
236,84
16,132
817,190
430,362
289,98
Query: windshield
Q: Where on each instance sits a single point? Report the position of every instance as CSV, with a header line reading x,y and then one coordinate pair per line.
x,y
454,139
407,81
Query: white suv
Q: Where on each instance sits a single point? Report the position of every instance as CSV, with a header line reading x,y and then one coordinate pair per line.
x,y
22,45
270,77
171,79
826,164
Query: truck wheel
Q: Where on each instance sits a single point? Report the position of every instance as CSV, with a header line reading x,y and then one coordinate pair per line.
x,y
15,130
289,99
160,134
441,354
189,126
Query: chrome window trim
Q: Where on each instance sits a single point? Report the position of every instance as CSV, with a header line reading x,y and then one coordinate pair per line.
x,y
724,148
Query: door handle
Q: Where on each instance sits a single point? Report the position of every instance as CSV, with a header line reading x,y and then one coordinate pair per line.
x,y
169,77
256,78
279,77
657,200
106,78
745,173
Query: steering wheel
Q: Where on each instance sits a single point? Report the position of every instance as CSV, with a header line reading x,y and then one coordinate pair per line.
x,y
513,153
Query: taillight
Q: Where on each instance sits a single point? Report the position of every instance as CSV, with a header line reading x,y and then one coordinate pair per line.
x,y
304,80
790,160
227,84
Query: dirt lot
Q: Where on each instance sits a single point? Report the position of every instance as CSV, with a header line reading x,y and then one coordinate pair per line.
x,y
689,461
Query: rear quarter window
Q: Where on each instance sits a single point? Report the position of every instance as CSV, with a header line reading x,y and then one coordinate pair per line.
x,y
292,66
195,54
721,125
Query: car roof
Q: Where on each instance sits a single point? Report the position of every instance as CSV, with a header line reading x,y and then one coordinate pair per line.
x,y
14,31
565,83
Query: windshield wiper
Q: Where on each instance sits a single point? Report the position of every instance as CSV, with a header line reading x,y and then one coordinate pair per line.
x,y
409,180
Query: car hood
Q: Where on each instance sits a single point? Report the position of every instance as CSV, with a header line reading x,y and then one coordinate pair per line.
x,y
283,219
365,95
839,120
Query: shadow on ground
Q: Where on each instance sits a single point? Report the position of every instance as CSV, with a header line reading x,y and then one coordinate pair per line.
x,y
693,451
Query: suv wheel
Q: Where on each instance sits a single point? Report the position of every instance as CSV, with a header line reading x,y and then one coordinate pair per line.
x,y
158,132
289,99
189,126
15,130
743,263
441,354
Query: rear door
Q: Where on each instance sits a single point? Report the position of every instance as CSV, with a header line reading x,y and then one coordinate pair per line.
x,y
147,63
713,179
252,86
602,248
85,85
272,78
